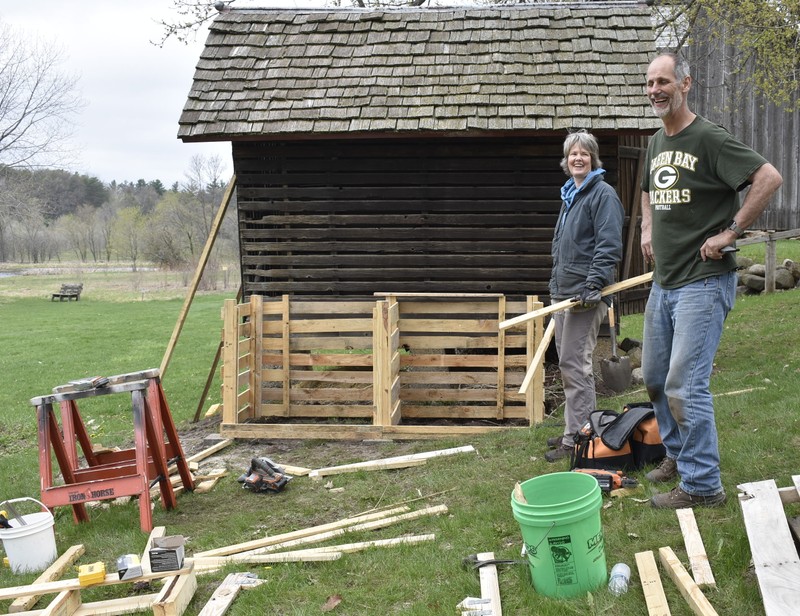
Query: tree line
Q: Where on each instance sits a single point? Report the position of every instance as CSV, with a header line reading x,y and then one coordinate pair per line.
x,y
51,215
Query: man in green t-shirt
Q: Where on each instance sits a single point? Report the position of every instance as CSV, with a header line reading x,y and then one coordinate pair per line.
x,y
693,173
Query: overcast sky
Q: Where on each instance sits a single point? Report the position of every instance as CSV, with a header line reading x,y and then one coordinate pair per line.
x,y
134,91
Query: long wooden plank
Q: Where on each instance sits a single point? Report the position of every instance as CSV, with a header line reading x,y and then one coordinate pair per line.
x,y
349,548
201,265
355,432
654,596
695,550
774,555
382,523
536,362
303,532
691,592
319,473
47,588
53,572
207,563
568,303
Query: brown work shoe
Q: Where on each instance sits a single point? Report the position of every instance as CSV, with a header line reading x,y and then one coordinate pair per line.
x,y
678,499
667,470
559,452
554,441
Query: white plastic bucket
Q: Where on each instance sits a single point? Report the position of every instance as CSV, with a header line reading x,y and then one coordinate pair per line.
x,y
32,546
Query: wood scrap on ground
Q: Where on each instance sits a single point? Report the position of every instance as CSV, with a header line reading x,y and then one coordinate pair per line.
x,y
691,592
695,550
771,545
226,592
653,590
375,464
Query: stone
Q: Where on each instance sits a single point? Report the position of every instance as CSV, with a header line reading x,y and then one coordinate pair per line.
x,y
752,281
784,278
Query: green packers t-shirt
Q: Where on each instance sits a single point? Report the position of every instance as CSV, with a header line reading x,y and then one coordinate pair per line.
x,y
693,179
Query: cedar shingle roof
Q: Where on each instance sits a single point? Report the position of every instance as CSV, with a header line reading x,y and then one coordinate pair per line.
x,y
281,72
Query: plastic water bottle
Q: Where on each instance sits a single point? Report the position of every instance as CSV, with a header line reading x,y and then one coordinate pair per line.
x,y
618,581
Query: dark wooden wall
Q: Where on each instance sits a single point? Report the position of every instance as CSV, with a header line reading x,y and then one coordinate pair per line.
x,y
348,218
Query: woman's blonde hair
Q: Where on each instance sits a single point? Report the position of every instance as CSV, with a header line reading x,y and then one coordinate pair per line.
x,y
588,142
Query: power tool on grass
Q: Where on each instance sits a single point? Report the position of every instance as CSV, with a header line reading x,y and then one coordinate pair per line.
x,y
609,480
264,476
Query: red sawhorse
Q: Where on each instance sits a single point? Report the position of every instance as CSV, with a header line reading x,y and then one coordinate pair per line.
x,y
110,474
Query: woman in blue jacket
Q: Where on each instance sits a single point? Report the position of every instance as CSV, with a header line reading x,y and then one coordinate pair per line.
x,y
587,247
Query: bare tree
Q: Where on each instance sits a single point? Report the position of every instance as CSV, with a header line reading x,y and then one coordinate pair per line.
x,y
128,234
37,102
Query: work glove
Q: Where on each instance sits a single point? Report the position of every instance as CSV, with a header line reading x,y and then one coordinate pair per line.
x,y
588,298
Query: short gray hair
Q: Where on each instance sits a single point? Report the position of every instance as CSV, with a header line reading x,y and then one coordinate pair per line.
x,y
679,63
588,142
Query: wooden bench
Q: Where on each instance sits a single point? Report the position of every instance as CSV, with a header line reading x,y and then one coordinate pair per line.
x,y
68,292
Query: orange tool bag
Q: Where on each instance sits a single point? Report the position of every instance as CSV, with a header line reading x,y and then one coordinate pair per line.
x,y
619,441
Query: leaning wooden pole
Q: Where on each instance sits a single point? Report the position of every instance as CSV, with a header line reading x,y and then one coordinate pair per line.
x,y
201,266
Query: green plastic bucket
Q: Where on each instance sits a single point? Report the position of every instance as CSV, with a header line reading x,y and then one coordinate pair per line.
x,y
563,536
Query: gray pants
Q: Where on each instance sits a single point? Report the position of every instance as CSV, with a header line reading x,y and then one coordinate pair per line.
x,y
576,339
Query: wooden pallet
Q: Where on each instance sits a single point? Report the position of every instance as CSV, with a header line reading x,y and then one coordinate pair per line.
x,y
401,366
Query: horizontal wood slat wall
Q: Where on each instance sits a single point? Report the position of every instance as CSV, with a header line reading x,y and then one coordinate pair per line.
x,y
400,366
348,218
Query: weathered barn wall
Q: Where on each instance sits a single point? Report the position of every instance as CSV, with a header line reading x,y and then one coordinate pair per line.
x,y
354,217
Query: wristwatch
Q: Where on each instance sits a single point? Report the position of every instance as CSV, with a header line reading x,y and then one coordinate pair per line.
x,y
736,228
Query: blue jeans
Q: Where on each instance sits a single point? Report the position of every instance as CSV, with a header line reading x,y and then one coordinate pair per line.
x,y
682,330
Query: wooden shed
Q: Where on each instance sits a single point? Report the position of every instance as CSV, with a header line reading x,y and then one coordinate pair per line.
x,y
415,150
385,160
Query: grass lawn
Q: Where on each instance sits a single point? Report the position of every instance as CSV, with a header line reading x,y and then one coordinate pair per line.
x,y
49,343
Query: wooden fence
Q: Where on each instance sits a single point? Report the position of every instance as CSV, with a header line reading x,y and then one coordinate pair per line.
x,y
400,366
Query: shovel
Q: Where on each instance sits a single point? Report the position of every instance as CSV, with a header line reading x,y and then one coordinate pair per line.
x,y
616,371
